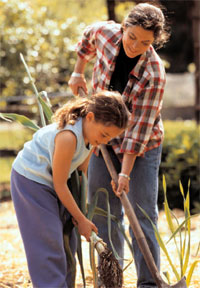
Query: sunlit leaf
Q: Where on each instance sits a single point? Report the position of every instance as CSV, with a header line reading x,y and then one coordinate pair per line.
x,y
161,243
191,270
180,227
166,207
47,110
181,189
166,273
25,121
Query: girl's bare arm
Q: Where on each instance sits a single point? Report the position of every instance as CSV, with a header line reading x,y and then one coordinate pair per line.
x,y
65,146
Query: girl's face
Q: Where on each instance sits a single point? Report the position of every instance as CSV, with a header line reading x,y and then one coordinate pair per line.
x,y
97,133
136,40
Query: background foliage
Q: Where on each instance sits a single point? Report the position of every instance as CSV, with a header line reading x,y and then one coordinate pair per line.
x,y
180,161
46,39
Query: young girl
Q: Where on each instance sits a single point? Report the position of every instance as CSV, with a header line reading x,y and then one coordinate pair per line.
x,y
39,181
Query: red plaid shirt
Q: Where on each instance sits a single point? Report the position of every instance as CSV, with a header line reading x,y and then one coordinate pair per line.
x,y
143,93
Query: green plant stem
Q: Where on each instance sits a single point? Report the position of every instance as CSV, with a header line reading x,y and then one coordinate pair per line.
x,y
35,90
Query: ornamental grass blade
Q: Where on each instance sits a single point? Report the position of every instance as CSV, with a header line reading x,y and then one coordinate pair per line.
x,y
166,207
25,121
76,190
47,110
166,273
91,214
83,204
168,214
190,272
180,227
181,189
70,260
34,88
101,212
187,229
93,265
161,243
80,257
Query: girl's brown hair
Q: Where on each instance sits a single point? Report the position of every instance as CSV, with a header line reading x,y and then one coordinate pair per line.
x,y
149,17
108,108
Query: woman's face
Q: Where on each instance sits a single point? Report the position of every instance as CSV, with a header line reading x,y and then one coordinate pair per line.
x,y
136,40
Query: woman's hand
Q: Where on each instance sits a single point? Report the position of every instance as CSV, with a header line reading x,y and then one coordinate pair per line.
x,y
85,228
77,82
123,185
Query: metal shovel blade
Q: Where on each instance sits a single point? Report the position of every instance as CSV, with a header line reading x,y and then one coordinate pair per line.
x,y
180,284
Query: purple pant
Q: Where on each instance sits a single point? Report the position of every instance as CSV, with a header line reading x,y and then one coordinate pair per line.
x,y
39,215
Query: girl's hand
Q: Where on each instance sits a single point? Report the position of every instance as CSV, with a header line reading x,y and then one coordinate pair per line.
x,y
85,228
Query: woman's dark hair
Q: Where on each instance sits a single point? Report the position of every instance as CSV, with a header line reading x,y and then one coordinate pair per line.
x,y
149,17
107,106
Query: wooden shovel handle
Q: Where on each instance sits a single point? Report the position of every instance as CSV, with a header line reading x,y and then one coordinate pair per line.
x,y
135,226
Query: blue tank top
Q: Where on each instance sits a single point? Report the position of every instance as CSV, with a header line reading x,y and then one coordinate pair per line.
x,y
35,160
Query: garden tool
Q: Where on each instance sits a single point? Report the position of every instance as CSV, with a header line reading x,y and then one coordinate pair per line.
x,y
137,230
110,272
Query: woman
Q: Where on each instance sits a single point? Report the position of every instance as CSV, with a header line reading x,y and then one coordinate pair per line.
x,y
126,61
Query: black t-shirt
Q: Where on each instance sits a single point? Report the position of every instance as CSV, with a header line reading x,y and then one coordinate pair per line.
x,y
123,67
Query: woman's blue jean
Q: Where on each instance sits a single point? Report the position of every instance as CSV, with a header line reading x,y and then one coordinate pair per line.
x,y
143,192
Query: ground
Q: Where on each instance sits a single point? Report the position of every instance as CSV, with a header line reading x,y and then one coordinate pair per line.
x,y
14,273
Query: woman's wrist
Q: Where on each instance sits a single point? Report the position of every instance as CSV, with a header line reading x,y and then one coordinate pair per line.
x,y
125,176
76,74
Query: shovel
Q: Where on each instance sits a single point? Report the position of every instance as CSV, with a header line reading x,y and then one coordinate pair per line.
x,y
137,230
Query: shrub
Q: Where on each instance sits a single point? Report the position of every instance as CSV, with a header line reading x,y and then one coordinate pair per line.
x,y
180,161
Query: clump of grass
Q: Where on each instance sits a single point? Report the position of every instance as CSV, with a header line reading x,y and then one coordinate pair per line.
x,y
180,233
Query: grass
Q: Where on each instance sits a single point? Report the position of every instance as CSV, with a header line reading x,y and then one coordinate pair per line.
x,y
14,138
5,164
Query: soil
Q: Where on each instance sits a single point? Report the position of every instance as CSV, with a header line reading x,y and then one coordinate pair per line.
x,y
14,272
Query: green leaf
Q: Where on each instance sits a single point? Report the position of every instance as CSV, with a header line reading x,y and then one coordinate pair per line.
x,y
181,189
166,207
198,247
35,90
47,110
91,214
83,193
161,243
70,260
101,212
189,276
80,256
187,229
25,121
93,265
166,273
180,227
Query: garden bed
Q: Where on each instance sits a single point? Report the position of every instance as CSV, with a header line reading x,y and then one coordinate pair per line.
x,y
14,271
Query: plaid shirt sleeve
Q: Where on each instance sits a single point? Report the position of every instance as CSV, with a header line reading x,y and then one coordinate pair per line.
x,y
86,48
145,130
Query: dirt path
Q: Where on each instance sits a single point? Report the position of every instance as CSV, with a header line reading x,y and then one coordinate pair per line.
x,y
14,273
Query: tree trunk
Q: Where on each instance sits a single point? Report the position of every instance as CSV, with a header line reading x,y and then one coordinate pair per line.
x,y
111,9
196,37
